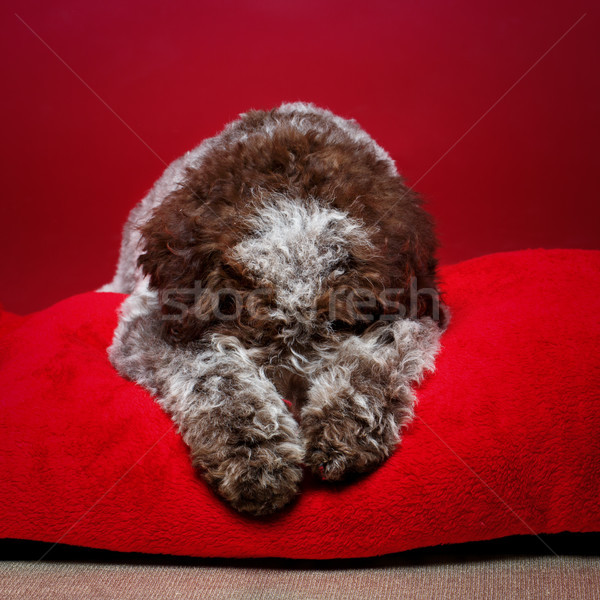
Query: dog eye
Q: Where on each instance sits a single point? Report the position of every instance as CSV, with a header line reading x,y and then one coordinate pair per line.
x,y
339,325
227,305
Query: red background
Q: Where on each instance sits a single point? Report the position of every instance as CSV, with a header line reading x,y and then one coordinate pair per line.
x,y
487,111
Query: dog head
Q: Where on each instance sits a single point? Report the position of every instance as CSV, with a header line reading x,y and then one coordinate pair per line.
x,y
284,270
292,228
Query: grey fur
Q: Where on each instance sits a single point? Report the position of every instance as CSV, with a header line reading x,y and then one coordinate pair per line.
x,y
213,394
296,246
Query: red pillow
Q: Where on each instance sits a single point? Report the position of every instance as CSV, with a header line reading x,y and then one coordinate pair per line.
x,y
506,439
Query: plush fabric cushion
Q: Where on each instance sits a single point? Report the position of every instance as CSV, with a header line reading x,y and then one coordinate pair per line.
x,y
506,439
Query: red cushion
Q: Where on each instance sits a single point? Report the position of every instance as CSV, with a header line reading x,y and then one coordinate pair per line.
x,y
505,440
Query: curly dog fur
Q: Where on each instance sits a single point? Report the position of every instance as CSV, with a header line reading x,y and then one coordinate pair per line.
x,y
283,258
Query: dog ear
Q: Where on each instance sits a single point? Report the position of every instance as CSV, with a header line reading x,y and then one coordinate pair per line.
x,y
183,243
409,248
175,251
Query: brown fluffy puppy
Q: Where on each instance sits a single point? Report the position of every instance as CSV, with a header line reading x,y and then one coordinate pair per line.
x,y
283,258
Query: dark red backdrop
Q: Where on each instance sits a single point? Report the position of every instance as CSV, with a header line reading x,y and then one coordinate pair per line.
x,y
492,112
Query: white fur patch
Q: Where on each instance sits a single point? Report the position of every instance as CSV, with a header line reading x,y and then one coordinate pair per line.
x,y
296,245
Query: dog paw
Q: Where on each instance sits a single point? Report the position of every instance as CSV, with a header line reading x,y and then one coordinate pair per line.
x,y
257,480
339,446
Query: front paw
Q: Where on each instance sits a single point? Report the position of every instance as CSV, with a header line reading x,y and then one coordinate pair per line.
x,y
257,480
340,443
